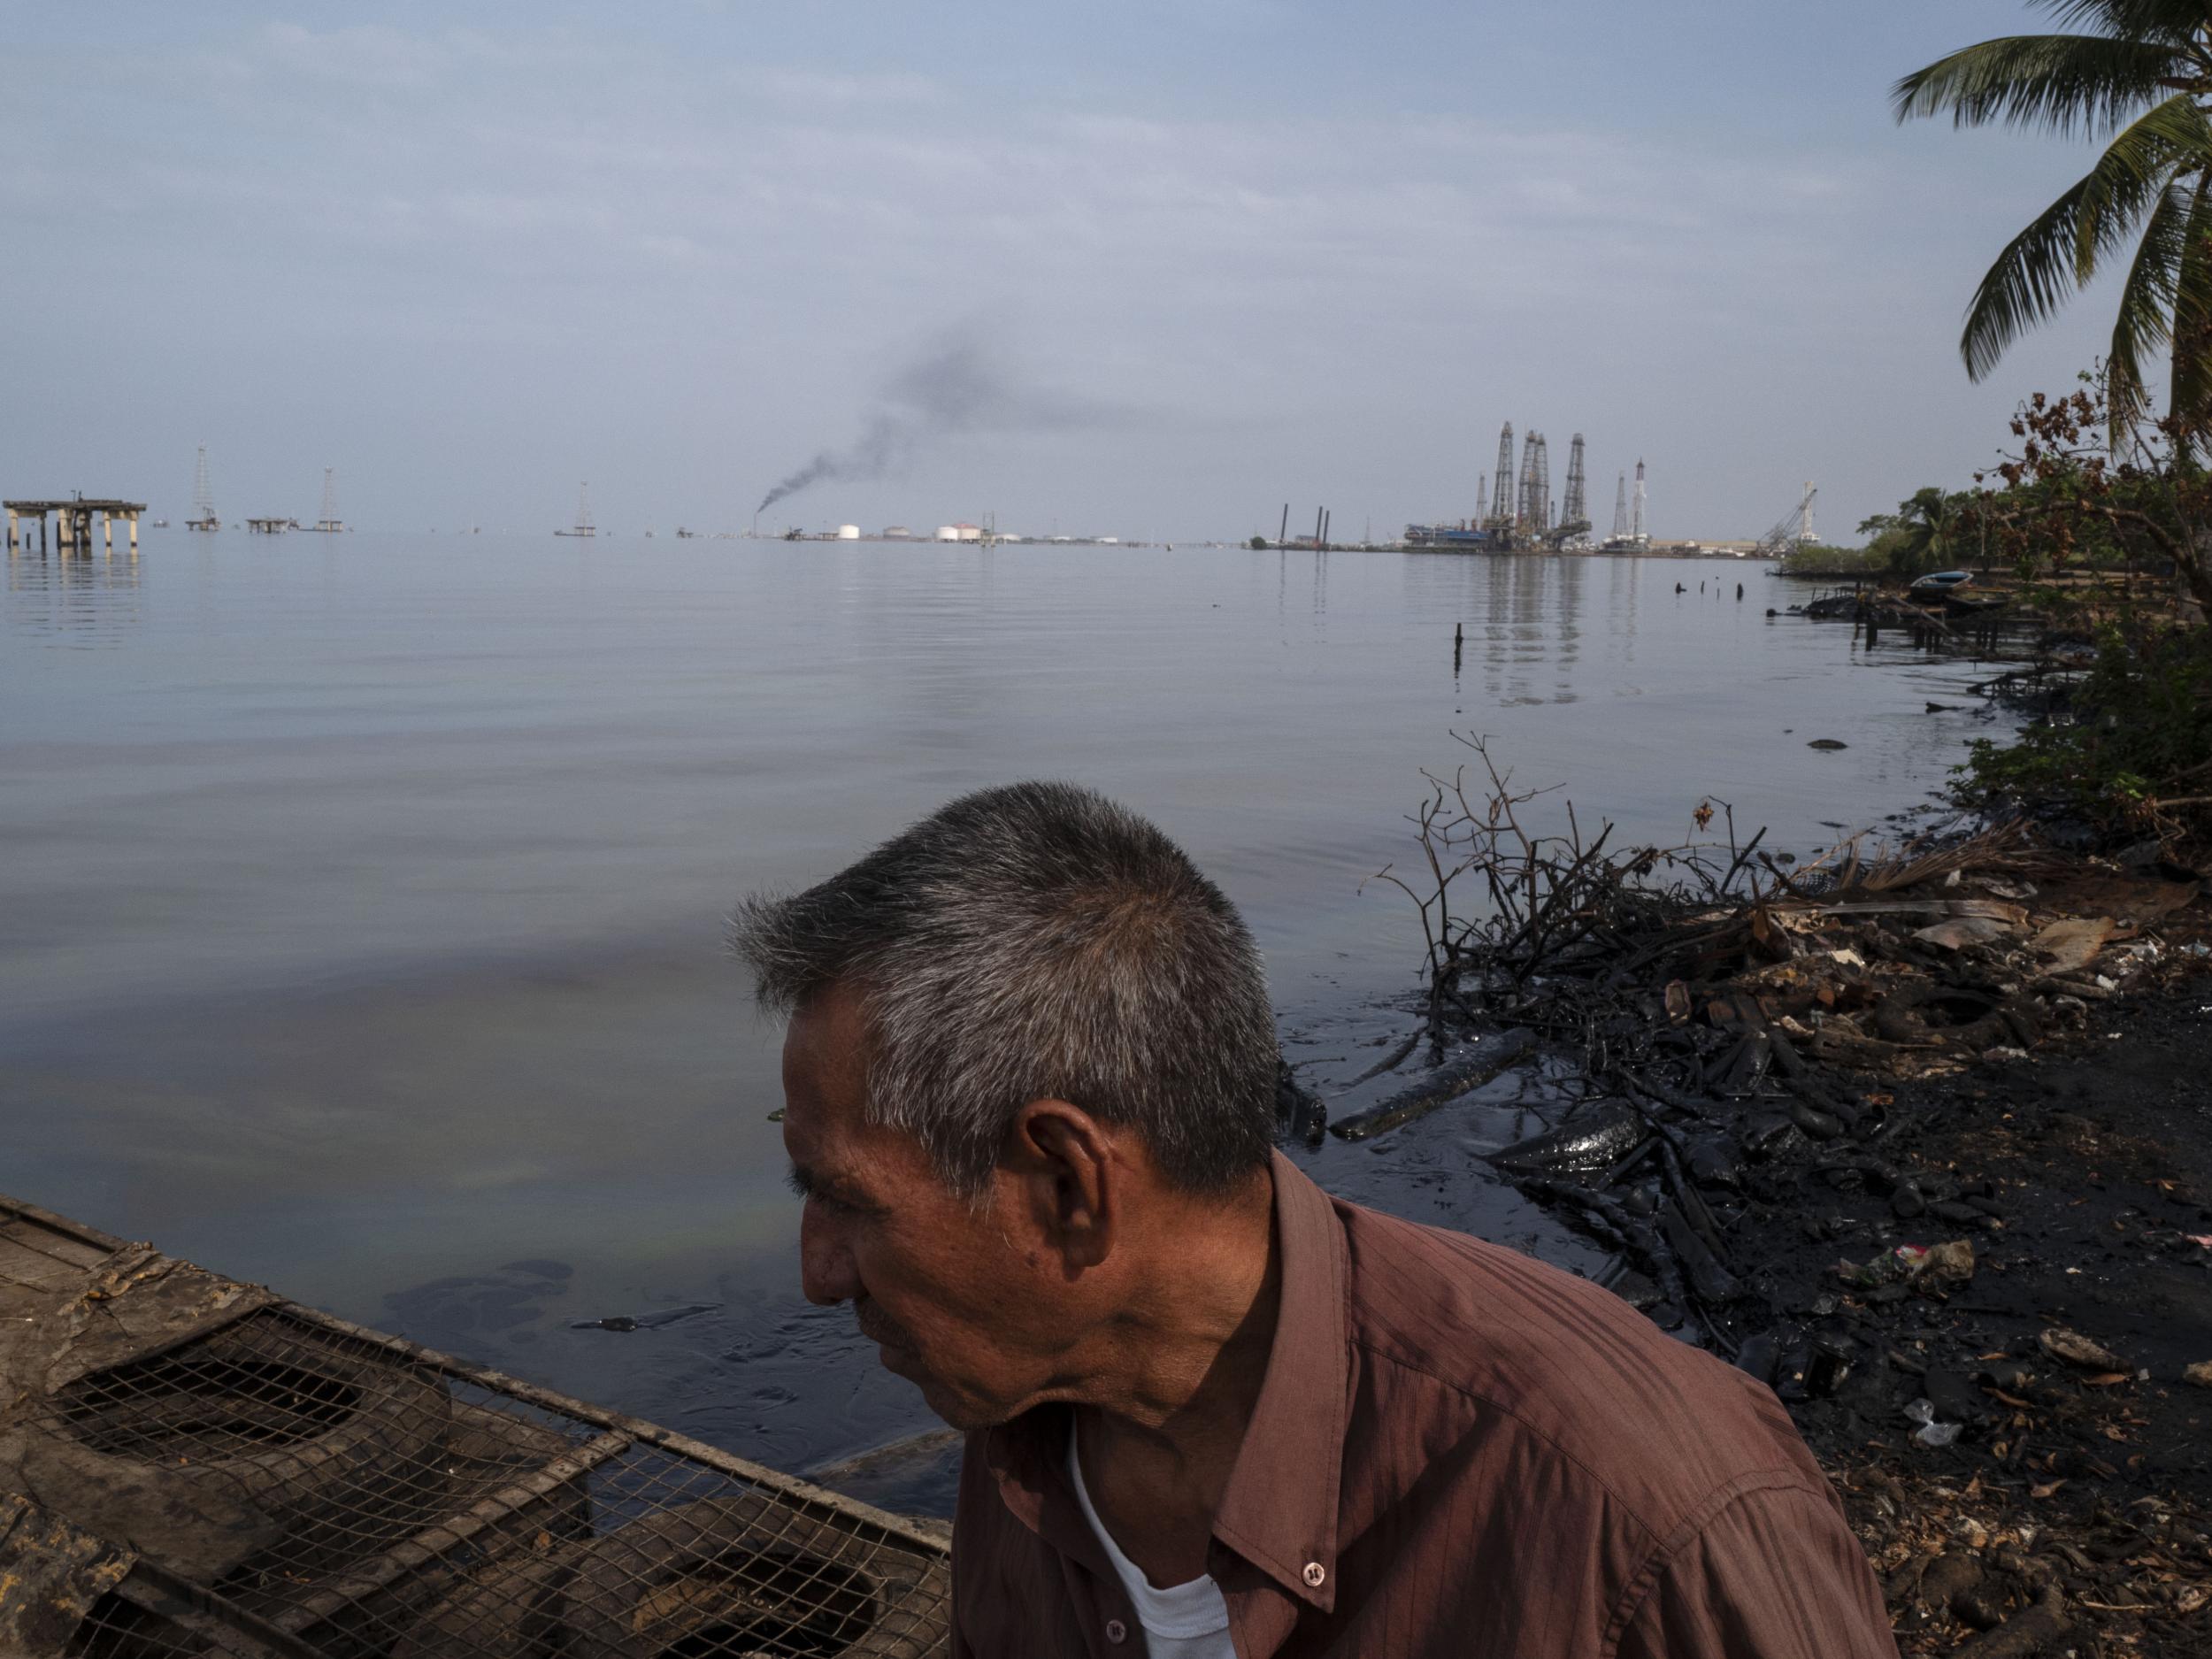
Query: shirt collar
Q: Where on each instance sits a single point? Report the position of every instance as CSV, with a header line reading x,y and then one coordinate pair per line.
x,y
1279,1512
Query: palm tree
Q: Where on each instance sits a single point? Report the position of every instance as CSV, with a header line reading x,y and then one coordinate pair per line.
x,y
2142,77
1926,525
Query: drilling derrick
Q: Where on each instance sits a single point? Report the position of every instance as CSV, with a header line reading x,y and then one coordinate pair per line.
x,y
1636,524
1525,498
328,519
1620,510
1539,489
202,497
1574,516
1502,481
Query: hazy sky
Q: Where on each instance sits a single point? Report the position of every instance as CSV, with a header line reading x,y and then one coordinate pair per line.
x,y
1190,257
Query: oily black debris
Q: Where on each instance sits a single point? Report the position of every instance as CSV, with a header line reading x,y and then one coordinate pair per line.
x,y
1923,1142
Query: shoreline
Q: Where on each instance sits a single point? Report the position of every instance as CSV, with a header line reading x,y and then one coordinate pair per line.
x,y
1924,1145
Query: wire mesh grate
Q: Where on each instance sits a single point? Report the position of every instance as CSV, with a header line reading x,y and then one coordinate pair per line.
x,y
317,1492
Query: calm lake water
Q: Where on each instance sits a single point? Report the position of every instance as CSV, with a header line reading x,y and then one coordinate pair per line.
x,y
360,896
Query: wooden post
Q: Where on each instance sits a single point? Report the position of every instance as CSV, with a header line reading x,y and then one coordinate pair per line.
x,y
1282,534
10,529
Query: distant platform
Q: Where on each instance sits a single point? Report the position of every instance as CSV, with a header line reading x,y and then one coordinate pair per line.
x,y
73,521
80,503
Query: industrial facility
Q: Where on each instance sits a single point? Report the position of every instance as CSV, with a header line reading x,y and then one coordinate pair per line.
x,y
1514,510
1515,513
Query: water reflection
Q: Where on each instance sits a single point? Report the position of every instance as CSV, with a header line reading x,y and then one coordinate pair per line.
x,y
83,598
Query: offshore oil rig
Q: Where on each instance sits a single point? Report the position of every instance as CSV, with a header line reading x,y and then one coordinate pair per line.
x,y
1515,511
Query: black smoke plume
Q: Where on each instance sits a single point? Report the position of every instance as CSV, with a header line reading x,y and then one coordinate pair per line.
x,y
959,384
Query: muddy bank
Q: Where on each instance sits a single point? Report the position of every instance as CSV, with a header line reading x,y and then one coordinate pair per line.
x,y
1923,1140
2021,1449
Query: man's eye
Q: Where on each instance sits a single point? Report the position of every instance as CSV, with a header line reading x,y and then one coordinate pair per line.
x,y
802,1186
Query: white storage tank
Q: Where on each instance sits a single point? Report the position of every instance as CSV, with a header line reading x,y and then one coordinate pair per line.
x,y
849,532
948,533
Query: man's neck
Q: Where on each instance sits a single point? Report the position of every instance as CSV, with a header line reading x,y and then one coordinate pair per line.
x,y
1166,1412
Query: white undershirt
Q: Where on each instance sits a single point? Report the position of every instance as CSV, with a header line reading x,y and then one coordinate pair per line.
x,y
1190,1621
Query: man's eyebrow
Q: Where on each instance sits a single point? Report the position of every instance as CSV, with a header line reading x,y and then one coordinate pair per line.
x,y
812,1183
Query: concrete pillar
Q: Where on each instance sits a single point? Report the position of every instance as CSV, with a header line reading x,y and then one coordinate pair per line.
x,y
10,529
107,530
134,522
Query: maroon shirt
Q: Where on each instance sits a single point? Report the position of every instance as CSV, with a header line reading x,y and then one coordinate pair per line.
x,y
1457,1450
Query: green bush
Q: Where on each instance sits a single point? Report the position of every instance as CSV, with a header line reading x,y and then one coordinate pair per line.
x,y
2137,727
1811,559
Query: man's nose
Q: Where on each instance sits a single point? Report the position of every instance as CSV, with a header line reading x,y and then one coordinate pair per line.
x,y
825,1266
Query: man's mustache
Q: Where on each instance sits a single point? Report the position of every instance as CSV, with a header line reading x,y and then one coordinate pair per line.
x,y
877,1326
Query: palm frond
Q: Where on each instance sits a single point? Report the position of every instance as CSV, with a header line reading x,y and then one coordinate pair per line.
x,y
2057,83
2144,325
2176,22
2191,329
2063,246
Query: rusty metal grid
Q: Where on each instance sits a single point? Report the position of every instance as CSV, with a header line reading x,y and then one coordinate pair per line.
x,y
296,1486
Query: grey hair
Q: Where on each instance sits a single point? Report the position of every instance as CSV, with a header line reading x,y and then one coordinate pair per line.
x,y
1037,941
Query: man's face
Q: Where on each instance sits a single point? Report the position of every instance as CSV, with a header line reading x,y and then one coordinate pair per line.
x,y
950,1291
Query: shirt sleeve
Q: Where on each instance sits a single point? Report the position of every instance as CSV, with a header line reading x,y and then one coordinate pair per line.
x,y
1775,1574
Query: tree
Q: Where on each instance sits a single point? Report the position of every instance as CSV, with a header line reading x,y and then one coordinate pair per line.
x,y
1925,527
2087,490
2141,78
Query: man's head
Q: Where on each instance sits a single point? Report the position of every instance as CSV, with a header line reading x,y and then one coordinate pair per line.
x,y
1028,1038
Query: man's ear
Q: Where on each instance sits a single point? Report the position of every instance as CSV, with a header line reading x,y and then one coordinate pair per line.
x,y
1065,1158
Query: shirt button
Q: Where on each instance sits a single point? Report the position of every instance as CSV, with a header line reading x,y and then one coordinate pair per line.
x,y
1315,1574
1116,1631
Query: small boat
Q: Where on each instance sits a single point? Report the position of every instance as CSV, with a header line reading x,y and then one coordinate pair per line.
x,y
1939,582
